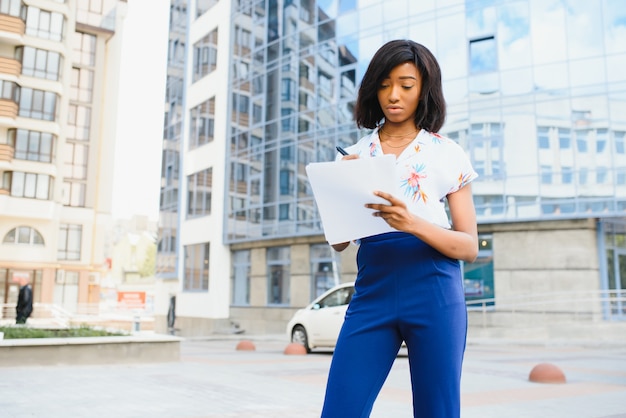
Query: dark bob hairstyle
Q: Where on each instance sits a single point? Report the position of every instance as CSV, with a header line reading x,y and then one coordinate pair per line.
x,y
431,110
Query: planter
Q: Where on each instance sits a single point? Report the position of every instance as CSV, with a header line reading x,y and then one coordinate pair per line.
x,y
149,348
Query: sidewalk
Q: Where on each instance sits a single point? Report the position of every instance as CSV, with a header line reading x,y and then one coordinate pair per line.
x,y
214,380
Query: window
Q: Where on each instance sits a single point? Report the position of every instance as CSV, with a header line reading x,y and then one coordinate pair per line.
x,y
567,175
202,6
546,174
286,182
325,83
84,49
23,235
39,62
200,186
196,267
479,167
565,140
278,276
288,90
482,55
339,297
205,56
322,271
70,238
619,142
601,140
31,185
74,193
81,89
9,90
243,41
14,8
241,103
241,278
582,175
581,141
284,212
601,175
202,123
32,145
79,122
44,24
76,158
543,138
38,104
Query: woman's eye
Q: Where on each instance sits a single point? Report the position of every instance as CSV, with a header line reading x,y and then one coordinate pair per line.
x,y
407,87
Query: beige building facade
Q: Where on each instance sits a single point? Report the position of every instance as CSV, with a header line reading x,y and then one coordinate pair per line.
x,y
59,65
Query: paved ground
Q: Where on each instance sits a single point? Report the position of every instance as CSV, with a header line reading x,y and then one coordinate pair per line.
x,y
213,380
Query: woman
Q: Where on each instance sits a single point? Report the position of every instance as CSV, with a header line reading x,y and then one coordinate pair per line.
x,y
409,285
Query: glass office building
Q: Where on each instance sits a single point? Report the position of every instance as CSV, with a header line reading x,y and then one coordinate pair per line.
x,y
536,94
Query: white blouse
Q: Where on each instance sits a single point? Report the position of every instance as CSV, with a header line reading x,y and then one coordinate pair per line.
x,y
428,169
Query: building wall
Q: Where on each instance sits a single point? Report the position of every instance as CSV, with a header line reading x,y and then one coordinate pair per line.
x,y
96,90
536,119
530,258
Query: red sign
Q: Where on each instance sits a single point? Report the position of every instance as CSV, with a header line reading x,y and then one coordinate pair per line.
x,y
131,300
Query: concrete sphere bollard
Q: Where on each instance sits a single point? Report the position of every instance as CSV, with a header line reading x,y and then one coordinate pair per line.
x,y
295,349
546,373
246,345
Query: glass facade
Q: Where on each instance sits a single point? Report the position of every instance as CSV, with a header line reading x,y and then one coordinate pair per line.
x,y
543,121
535,92
166,261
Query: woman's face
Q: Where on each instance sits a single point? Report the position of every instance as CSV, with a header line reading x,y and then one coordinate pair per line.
x,y
399,93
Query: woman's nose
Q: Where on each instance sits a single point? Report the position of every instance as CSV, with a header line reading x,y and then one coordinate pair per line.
x,y
394,94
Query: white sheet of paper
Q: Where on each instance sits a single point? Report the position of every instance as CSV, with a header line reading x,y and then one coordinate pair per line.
x,y
341,190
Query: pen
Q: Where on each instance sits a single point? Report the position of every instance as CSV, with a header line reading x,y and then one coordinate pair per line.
x,y
342,151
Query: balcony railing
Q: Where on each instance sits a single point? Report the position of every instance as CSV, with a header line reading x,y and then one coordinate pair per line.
x,y
7,152
9,66
12,24
550,307
8,109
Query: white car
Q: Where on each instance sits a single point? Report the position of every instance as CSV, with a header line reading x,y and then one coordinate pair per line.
x,y
318,324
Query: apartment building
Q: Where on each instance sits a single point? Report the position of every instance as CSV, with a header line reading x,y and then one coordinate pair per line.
x,y
257,89
59,62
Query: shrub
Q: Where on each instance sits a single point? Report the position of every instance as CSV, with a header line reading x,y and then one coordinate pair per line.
x,y
82,331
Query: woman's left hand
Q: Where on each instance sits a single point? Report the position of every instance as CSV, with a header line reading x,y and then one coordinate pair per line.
x,y
395,213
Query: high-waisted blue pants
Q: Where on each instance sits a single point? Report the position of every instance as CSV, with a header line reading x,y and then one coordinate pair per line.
x,y
405,291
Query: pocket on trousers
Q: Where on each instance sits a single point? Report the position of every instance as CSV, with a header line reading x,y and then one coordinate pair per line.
x,y
448,283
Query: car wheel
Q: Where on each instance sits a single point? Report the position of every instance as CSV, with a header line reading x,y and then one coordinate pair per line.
x,y
298,335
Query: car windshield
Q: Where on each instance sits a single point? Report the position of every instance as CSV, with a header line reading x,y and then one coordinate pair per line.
x,y
337,298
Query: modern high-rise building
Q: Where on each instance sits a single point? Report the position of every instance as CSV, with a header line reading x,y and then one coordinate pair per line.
x,y
258,89
59,64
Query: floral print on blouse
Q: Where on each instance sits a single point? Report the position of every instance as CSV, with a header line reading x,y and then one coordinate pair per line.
x,y
429,169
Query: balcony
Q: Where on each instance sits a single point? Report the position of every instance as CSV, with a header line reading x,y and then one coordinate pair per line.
x,y
19,207
8,109
11,29
10,66
6,152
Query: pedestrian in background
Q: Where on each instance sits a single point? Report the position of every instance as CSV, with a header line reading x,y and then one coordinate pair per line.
x,y
409,285
24,301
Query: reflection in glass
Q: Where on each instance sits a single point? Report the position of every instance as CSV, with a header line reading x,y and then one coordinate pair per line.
x,y
548,31
514,50
551,77
587,72
583,20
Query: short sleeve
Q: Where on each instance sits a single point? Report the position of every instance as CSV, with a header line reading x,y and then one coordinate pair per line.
x,y
464,171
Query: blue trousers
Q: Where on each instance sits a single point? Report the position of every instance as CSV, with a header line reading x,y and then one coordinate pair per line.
x,y
405,291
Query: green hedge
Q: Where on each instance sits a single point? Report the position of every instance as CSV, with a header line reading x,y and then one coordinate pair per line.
x,y
82,331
